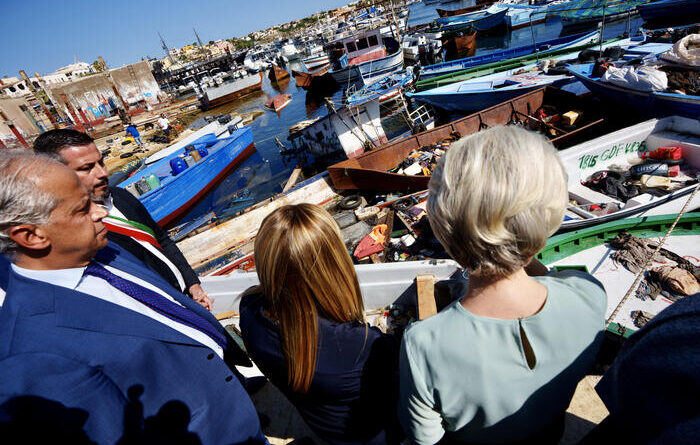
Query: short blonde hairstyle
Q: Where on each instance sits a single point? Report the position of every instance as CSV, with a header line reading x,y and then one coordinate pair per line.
x,y
495,198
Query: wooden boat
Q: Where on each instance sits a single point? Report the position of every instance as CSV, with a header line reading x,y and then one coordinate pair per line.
x,y
644,103
526,62
478,21
670,11
454,12
588,247
303,80
230,91
231,243
619,150
277,74
522,16
278,102
178,192
369,171
542,49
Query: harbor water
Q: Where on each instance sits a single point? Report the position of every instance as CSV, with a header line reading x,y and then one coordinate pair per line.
x,y
265,173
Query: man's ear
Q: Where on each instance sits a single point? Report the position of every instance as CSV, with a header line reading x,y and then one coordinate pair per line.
x,y
29,236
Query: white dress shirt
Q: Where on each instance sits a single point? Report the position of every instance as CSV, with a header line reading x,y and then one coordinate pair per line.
x,y
114,211
97,287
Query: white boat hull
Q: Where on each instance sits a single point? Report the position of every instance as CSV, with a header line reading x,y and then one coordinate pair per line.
x,y
370,71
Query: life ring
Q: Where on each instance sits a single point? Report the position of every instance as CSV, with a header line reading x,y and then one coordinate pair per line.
x,y
350,202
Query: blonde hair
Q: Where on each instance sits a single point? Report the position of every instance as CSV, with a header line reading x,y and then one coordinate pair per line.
x,y
495,197
305,272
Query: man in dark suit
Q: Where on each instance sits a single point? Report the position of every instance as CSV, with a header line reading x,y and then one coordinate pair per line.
x,y
129,224
89,334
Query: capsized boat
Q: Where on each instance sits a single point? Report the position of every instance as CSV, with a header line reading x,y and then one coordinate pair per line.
x,y
371,171
344,132
230,91
591,248
625,173
174,187
542,48
278,102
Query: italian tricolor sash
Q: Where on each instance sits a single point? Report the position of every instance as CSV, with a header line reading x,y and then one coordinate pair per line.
x,y
130,228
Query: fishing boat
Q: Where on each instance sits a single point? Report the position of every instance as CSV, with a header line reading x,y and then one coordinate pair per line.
x,y
472,95
304,80
542,49
278,102
589,248
175,187
618,152
220,127
643,103
230,91
364,57
370,171
525,62
485,20
256,60
584,12
345,131
277,74
289,51
670,11
313,63
384,90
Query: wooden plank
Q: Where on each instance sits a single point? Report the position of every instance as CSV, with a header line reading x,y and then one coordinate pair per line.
x,y
425,284
292,179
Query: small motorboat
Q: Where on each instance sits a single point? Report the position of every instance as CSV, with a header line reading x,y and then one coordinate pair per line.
x,y
278,102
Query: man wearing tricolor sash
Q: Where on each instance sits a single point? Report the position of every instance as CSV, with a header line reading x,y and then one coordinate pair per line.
x,y
128,222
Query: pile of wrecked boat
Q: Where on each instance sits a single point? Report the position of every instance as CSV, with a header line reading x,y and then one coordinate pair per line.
x,y
623,112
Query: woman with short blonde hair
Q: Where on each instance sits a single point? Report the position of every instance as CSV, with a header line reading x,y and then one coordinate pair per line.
x,y
304,327
501,363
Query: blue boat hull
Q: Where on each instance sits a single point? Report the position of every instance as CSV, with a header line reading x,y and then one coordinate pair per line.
x,y
471,102
647,104
485,23
440,69
179,193
670,10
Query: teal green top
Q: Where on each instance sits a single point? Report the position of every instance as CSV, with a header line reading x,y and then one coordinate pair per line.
x,y
467,375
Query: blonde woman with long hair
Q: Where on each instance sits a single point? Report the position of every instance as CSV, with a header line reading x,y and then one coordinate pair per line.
x,y
304,327
500,364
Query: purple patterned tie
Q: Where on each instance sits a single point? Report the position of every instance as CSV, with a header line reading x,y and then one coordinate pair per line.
x,y
157,302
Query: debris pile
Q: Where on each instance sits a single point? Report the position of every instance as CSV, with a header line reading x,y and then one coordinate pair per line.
x,y
661,172
423,160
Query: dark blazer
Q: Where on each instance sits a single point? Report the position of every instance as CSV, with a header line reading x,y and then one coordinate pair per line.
x,y
121,373
354,391
132,208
